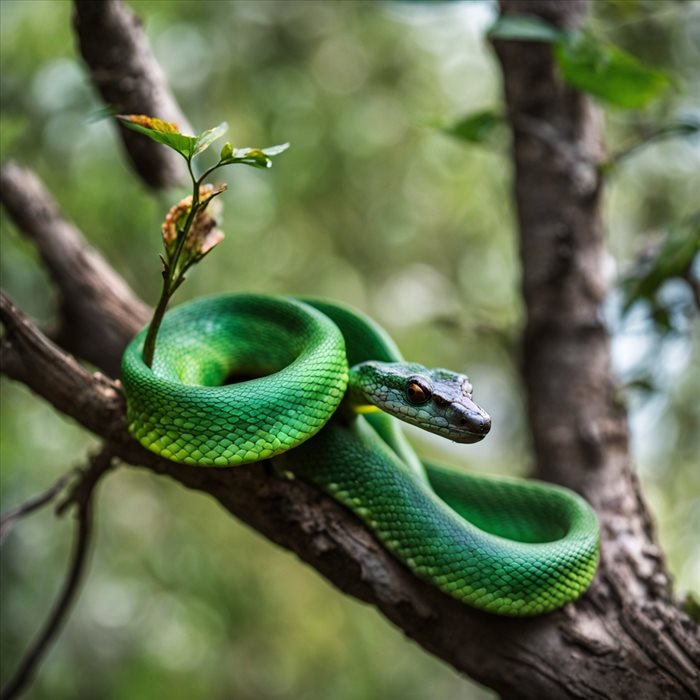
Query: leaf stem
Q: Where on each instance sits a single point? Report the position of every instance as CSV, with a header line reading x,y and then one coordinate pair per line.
x,y
172,273
149,346
208,172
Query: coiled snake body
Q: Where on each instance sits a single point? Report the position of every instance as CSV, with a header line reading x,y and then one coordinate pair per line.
x,y
325,384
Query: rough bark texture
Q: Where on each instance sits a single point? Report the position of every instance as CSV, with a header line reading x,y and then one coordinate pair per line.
x,y
624,638
579,429
84,298
495,650
130,81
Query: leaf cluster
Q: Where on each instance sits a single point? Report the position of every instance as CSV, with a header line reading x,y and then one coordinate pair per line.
x,y
586,62
189,231
188,147
674,258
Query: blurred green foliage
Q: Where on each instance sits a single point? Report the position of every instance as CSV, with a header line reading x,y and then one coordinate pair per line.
x,y
671,260
485,126
608,73
372,205
588,63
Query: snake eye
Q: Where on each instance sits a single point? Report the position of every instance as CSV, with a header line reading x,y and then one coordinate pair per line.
x,y
416,394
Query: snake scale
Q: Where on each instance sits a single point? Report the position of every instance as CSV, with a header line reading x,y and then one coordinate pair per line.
x,y
317,389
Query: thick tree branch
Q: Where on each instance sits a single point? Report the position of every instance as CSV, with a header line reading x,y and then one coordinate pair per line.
x,y
519,658
580,434
92,294
27,356
289,512
129,79
81,497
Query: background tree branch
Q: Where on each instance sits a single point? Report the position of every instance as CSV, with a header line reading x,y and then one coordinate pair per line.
x,y
88,286
81,497
130,80
580,434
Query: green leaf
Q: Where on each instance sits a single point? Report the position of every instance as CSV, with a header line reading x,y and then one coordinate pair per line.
x,y
256,157
14,127
672,259
226,151
275,150
160,131
206,138
643,382
251,156
608,73
524,28
478,127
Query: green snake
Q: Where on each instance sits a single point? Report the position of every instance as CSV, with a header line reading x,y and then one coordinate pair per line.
x,y
316,388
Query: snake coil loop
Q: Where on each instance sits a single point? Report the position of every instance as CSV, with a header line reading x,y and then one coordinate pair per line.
x,y
508,546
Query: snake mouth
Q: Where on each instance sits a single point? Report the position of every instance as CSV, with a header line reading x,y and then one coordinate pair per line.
x,y
467,438
470,423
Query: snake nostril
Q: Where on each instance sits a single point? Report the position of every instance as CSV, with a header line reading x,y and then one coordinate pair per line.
x,y
471,422
476,422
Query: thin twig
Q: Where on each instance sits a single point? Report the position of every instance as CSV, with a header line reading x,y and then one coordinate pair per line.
x,y
9,519
683,128
81,495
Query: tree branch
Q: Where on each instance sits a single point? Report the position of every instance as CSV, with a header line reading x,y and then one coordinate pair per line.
x,y
521,658
291,513
81,496
580,435
8,520
92,294
129,79
27,356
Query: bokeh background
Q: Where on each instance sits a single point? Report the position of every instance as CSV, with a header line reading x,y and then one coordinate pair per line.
x,y
373,205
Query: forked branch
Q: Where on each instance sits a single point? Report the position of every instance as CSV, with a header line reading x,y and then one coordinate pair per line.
x,y
81,497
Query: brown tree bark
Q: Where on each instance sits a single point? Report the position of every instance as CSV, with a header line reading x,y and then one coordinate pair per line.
x,y
130,80
83,298
579,429
625,638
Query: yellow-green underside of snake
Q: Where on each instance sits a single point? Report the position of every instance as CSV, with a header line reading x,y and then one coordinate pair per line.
x,y
508,546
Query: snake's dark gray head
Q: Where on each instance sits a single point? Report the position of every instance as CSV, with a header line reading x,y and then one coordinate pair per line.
x,y
436,400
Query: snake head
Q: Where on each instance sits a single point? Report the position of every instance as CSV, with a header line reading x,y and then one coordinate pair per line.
x,y
437,400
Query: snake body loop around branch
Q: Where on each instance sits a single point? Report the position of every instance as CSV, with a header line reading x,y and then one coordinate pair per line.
x,y
317,388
